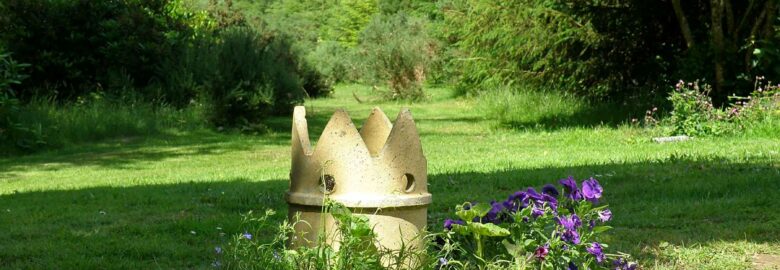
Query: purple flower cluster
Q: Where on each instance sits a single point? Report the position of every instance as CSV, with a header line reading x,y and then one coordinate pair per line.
x,y
591,189
595,249
522,199
568,222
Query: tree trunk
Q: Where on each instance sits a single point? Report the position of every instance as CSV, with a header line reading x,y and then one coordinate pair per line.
x,y
731,28
754,35
718,44
745,17
771,13
685,28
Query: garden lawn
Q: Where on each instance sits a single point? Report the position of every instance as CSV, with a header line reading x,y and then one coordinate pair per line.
x,y
166,201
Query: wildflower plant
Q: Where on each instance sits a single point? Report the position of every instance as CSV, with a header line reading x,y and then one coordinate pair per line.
x,y
356,248
694,114
534,230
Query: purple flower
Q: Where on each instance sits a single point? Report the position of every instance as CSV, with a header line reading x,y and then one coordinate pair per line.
x,y
595,249
509,205
551,201
571,222
591,224
571,236
537,211
570,189
533,195
246,235
517,201
570,225
449,222
605,215
549,189
571,266
443,262
591,190
218,250
495,214
623,264
518,196
542,252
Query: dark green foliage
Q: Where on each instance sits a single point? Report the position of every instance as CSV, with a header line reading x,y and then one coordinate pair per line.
x,y
612,49
158,51
589,48
14,133
79,46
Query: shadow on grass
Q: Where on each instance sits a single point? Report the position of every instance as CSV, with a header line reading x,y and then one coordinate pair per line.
x,y
164,226
680,201
609,114
123,153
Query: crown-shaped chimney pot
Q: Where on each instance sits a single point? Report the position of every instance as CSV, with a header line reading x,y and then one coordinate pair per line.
x,y
379,171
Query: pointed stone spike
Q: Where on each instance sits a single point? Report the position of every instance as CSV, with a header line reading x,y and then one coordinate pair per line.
x,y
300,132
404,138
340,136
375,131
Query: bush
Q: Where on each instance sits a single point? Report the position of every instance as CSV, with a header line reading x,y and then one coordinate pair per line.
x,y
243,75
396,49
83,46
253,76
14,132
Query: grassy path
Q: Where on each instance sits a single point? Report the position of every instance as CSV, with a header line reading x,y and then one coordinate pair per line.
x,y
166,201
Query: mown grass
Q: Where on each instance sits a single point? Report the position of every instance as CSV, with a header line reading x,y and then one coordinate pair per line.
x,y
165,201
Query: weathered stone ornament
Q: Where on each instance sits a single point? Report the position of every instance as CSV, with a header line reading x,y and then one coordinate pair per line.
x,y
379,172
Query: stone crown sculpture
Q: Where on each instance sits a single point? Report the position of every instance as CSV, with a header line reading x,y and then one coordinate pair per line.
x,y
381,166
379,172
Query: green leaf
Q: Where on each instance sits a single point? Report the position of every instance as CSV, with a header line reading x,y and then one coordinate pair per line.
x,y
481,209
600,229
488,229
512,249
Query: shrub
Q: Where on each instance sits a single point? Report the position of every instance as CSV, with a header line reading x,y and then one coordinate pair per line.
x,y
253,76
396,49
243,75
15,133
334,61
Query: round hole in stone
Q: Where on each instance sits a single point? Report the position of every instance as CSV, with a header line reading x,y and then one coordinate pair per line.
x,y
327,183
408,180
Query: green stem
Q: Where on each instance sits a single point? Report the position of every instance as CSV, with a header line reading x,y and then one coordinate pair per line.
x,y
479,245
